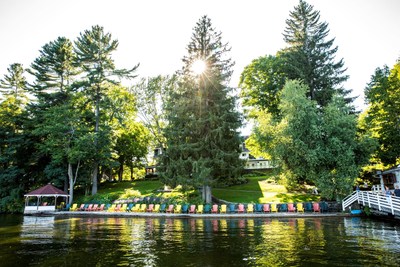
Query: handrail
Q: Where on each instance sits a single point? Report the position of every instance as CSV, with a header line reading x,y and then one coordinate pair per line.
x,y
377,201
350,199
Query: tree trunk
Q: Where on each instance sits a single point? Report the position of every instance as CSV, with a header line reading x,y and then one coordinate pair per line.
x,y
94,178
206,194
71,184
120,172
96,132
66,182
131,169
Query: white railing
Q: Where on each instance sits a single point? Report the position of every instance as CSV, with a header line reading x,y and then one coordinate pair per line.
x,y
350,199
376,201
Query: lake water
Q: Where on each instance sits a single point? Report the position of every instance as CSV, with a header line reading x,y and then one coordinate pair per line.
x,y
66,241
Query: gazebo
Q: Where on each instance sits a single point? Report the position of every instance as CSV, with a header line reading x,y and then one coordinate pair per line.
x,y
44,199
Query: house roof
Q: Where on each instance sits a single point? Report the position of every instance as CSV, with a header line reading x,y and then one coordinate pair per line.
x,y
47,190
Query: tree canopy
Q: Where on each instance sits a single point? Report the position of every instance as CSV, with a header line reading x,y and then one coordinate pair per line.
x,y
382,117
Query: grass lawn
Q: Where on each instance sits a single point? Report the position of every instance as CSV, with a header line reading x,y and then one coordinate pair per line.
x,y
258,190
261,190
109,191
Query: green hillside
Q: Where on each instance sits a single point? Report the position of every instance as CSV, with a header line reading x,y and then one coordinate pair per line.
x,y
260,189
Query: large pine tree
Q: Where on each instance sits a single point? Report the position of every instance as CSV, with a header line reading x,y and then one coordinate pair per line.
x,y
202,137
94,50
14,83
310,57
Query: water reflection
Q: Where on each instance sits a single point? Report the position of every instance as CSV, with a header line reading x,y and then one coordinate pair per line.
x,y
39,230
96,241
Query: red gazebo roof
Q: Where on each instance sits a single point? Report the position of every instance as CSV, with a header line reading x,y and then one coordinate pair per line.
x,y
47,190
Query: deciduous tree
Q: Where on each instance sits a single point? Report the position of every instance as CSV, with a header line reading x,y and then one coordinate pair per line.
x,y
383,114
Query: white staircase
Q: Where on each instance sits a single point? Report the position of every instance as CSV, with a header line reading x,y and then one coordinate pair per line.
x,y
374,200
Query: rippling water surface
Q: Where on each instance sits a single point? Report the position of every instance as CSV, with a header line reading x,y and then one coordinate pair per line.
x,y
61,241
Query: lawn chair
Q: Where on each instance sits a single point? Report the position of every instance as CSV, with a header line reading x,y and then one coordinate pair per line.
x,y
222,209
323,206
250,208
185,208
240,208
207,208
136,208
101,207
150,208
163,207
274,207
170,209
130,206
178,208
124,207
316,207
156,208
112,208
74,207
231,208
300,207
291,207
192,209
200,208
143,207
82,207
283,207
94,207
266,208
118,207
214,208
259,207
308,206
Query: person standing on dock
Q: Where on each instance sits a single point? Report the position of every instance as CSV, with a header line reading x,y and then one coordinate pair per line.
x,y
397,191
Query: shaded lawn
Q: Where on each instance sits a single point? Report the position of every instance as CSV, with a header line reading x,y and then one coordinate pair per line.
x,y
115,190
145,187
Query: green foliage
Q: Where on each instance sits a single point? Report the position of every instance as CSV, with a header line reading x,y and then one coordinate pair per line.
x,y
151,95
53,70
261,82
314,145
14,83
382,117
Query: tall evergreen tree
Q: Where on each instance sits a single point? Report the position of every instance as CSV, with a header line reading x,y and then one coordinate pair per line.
x,y
93,49
202,137
14,83
310,57
54,69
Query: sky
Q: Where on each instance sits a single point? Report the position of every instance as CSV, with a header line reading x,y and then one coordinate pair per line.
x,y
155,33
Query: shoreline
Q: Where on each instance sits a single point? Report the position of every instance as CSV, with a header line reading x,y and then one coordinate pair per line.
x,y
186,216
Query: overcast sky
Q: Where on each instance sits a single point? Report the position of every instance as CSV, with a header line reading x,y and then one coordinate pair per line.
x,y
155,33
